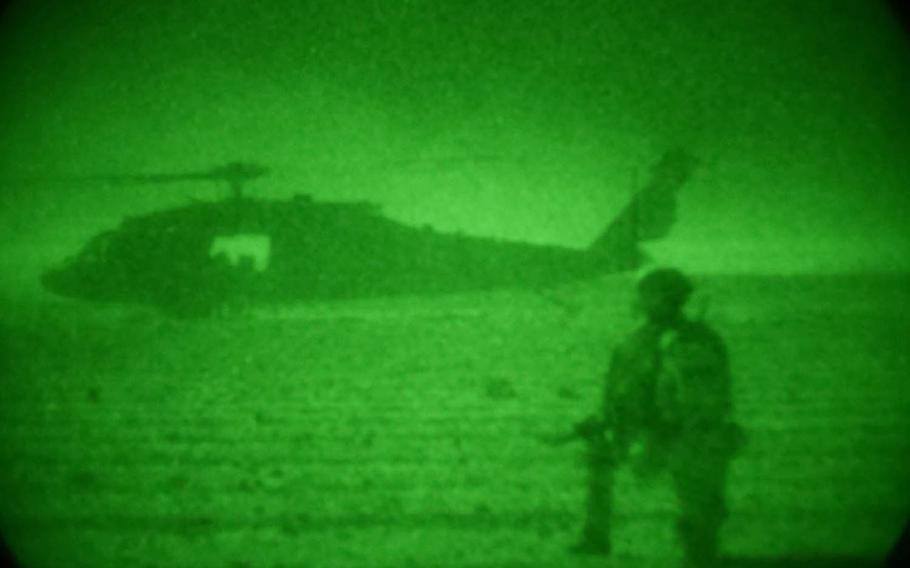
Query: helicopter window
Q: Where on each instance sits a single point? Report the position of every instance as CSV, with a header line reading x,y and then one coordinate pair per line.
x,y
243,247
96,250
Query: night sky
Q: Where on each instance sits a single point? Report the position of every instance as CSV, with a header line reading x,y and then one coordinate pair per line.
x,y
526,120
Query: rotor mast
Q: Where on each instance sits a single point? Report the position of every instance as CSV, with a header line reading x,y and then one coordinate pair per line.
x,y
236,174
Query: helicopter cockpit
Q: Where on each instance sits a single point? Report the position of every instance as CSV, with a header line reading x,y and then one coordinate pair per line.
x,y
97,249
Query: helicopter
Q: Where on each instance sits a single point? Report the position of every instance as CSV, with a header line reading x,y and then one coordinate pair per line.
x,y
195,259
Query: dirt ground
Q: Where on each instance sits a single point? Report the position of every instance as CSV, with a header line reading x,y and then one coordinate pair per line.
x,y
404,432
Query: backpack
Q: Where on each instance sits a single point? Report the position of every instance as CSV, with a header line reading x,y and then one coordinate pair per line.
x,y
693,391
693,379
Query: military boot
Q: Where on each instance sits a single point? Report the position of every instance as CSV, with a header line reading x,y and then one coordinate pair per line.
x,y
700,546
591,545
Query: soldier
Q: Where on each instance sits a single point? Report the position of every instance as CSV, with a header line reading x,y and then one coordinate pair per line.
x,y
667,406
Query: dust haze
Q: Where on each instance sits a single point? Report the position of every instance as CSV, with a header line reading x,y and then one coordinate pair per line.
x,y
401,430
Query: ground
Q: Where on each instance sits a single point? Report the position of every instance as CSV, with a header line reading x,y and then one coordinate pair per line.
x,y
405,432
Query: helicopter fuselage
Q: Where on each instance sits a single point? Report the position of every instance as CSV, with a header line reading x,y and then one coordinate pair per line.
x,y
193,259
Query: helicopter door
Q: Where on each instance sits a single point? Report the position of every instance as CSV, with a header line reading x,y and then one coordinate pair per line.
x,y
251,248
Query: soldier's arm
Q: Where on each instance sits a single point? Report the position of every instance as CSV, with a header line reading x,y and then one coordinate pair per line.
x,y
605,415
725,379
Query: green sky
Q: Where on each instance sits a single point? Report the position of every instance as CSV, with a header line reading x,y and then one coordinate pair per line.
x,y
528,120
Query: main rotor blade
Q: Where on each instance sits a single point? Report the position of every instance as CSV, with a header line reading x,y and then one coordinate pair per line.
x,y
231,172
148,178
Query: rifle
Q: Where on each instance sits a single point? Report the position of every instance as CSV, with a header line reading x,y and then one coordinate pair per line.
x,y
594,432
559,439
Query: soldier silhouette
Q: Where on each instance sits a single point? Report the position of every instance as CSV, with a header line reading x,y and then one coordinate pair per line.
x,y
667,406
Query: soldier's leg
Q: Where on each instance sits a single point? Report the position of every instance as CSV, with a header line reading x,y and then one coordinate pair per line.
x,y
595,537
699,480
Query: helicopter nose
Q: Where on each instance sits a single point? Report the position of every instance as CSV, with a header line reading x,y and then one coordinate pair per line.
x,y
54,280
48,279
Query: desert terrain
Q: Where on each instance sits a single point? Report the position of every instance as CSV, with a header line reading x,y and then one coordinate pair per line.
x,y
405,431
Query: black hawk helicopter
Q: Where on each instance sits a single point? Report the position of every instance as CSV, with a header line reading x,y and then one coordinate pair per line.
x,y
195,259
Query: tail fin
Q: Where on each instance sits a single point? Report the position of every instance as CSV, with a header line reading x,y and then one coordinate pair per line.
x,y
648,216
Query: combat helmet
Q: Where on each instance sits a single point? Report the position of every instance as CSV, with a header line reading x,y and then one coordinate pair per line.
x,y
664,292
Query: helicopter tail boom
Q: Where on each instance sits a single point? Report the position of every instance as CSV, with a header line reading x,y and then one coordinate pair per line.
x,y
648,216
